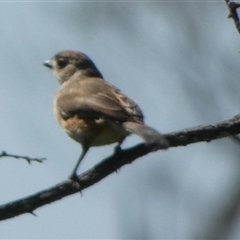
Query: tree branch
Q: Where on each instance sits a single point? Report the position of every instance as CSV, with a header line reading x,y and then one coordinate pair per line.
x,y
113,163
232,7
28,159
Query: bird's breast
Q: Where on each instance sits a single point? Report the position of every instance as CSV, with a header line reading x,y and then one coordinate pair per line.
x,y
96,132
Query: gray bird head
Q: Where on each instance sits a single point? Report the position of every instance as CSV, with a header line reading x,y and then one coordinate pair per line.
x,y
65,64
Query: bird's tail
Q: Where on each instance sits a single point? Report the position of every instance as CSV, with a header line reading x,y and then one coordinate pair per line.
x,y
150,136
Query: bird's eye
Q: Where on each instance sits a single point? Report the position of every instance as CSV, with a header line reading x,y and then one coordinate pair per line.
x,y
62,62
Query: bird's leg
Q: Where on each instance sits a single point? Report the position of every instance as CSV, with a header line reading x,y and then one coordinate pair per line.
x,y
118,149
73,175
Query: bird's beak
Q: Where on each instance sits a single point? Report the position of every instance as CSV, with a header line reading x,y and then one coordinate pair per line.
x,y
48,64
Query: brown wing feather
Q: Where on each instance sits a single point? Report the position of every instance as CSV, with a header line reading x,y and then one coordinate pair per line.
x,y
96,98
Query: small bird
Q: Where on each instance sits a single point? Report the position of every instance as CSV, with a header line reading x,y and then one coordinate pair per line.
x,y
92,111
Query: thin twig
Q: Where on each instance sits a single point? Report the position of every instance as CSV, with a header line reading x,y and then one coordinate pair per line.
x,y
232,7
28,159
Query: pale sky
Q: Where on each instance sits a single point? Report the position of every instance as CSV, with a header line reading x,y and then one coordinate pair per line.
x,y
178,60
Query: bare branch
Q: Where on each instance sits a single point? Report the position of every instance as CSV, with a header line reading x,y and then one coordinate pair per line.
x,y
28,159
113,163
232,7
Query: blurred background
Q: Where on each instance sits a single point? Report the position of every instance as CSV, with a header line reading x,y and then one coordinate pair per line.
x,y
179,61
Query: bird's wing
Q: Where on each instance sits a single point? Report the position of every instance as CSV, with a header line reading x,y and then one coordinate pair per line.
x,y
115,106
95,106
109,102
